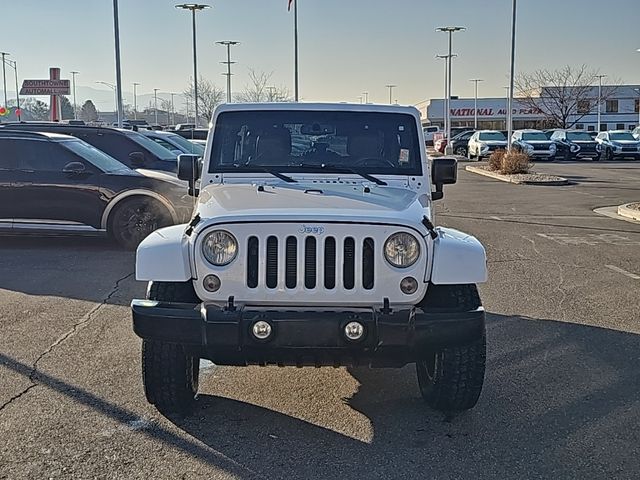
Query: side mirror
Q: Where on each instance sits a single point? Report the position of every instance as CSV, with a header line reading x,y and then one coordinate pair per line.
x,y
74,168
444,171
189,169
137,159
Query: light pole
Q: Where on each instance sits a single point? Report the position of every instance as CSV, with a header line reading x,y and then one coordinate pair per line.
x,y
390,87
115,95
366,97
194,7
450,31
475,102
135,100
511,76
4,77
637,90
360,99
13,64
116,34
155,107
75,105
445,118
600,77
173,112
228,44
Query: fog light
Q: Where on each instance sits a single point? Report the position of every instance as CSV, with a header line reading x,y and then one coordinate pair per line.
x,y
261,330
354,330
408,285
211,283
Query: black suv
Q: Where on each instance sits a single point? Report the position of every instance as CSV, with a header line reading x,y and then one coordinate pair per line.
x,y
131,148
575,144
57,183
460,141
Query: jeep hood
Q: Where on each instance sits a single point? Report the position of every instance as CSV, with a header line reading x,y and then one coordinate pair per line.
x,y
313,202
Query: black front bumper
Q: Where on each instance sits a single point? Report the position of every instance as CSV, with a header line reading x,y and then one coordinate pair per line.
x,y
300,338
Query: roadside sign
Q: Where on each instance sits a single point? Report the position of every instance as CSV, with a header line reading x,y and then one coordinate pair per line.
x,y
45,87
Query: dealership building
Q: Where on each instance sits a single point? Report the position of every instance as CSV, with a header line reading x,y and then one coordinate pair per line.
x,y
619,111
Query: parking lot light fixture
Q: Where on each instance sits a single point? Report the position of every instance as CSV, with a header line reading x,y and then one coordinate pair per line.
x,y
4,78
449,30
135,100
475,102
228,44
155,105
194,7
512,68
75,105
390,87
600,77
444,97
115,94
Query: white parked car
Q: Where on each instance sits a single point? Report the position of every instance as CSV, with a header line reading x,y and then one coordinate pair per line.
x,y
616,144
534,143
313,244
484,142
428,132
173,142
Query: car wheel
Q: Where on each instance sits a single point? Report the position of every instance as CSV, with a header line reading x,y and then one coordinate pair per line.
x,y
461,151
134,219
169,373
450,378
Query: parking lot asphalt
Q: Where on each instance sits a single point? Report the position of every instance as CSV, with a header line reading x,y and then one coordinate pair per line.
x,y
561,396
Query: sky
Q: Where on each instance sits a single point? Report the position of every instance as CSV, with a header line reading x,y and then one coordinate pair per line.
x,y
347,47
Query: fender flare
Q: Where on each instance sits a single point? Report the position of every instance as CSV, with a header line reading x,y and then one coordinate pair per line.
x,y
136,193
164,256
458,258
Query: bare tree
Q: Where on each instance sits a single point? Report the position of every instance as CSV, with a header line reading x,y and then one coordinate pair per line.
x,y
259,89
563,96
209,97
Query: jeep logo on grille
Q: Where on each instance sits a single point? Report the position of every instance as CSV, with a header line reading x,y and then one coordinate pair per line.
x,y
311,229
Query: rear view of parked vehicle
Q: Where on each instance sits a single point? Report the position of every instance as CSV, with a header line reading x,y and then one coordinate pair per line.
x,y
58,184
618,144
575,145
428,132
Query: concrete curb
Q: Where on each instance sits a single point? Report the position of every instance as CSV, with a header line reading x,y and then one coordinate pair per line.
x,y
632,213
517,181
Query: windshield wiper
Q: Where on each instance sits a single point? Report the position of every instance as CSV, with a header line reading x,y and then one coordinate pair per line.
x,y
336,169
279,175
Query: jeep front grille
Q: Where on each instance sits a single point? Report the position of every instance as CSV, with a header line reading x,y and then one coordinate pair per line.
x,y
317,256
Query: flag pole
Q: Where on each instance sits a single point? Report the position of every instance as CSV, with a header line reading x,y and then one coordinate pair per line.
x,y
295,40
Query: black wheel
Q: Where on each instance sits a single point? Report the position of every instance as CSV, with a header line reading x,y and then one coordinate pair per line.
x,y
134,219
169,373
451,378
462,151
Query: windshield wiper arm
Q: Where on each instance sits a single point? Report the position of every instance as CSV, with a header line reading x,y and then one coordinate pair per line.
x,y
366,176
279,175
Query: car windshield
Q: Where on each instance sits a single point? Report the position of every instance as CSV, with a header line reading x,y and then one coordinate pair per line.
x,y
621,136
297,141
492,136
158,150
579,136
91,154
534,136
186,145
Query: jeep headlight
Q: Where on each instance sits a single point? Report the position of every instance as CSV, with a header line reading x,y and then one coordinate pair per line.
x,y
219,247
401,250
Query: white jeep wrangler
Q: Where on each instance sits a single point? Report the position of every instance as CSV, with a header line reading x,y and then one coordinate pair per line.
x,y
313,244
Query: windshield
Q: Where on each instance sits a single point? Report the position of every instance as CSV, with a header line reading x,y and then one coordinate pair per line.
x,y
579,136
186,145
97,157
492,136
621,136
534,136
296,141
158,150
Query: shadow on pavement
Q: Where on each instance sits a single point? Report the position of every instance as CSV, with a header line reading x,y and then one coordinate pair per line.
x,y
560,401
75,267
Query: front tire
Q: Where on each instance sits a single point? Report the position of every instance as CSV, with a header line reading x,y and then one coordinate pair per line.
x,y
450,378
169,373
134,219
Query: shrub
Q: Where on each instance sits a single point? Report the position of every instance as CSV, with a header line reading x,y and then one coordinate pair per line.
x,y
495,160
515,162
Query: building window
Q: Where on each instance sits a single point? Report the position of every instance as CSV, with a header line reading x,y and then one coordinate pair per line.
x,y
580,126
584,106
612,106
636,108
591,128
603,127
619,126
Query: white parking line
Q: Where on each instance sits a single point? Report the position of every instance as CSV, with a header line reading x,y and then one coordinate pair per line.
x,y
623,272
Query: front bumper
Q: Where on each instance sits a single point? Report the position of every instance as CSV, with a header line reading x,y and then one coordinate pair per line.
x,y
634,155
304,338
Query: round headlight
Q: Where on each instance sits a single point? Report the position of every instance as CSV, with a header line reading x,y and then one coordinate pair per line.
x,y
219,248
401,250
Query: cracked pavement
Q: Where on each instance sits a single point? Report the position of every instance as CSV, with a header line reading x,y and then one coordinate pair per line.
x,y
561,397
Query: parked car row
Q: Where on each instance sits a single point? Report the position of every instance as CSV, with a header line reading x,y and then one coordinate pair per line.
x,y
551,144
61,178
